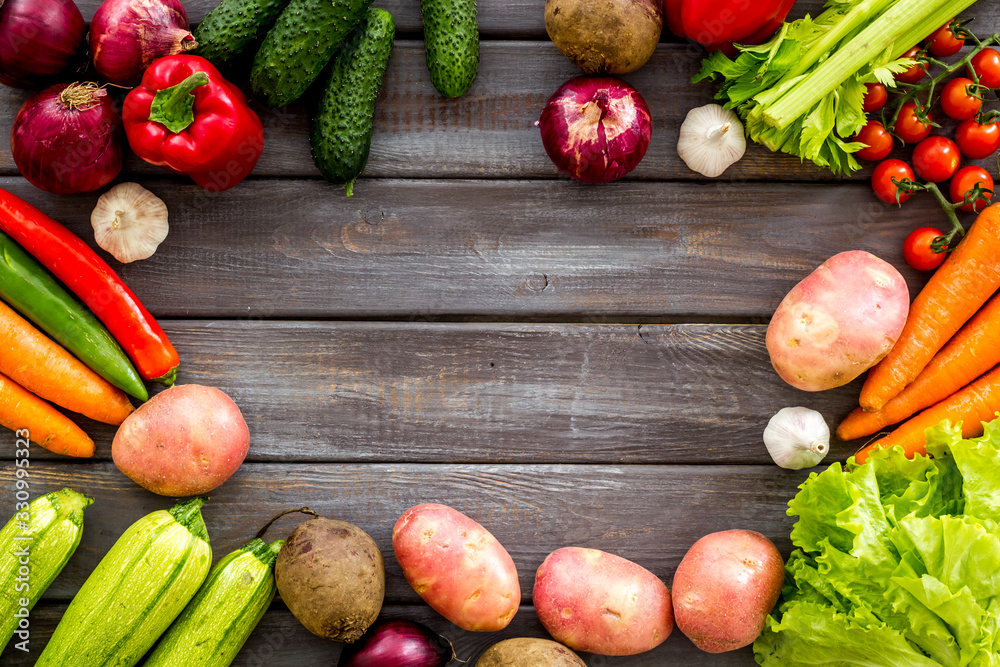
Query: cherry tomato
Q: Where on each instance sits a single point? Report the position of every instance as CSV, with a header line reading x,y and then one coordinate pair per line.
x,y
915,73
878,139
986,64
977,141
936,159
917,249
875,97
908,127
965,180
882,183
957,99
943,43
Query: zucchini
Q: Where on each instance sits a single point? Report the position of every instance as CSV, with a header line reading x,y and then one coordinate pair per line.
x,y
135,592
341,135
234,26
451,44
298,47
40,537
220,618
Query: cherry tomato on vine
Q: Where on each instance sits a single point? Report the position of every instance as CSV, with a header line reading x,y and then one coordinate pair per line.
x,y
977,141
878,139
986,64
908,127
943,43
936,159
883,176
915,73
917,249
958,99
966,180
875,97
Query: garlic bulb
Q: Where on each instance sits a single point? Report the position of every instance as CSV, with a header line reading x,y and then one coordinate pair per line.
x,y
711,140
797,438
130,222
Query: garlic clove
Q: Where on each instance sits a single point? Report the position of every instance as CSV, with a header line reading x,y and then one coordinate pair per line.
x,y
711,140
797,438
130,222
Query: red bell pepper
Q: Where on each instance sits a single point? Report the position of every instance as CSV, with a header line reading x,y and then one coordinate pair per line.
x,y
185,117
717,24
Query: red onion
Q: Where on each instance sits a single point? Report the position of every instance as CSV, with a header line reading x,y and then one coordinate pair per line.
x,y
597,129
398,644
126,36
68,139
38,39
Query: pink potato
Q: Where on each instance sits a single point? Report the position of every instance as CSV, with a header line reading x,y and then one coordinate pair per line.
x,y
457,567
725,587
838,322
597,602
184,441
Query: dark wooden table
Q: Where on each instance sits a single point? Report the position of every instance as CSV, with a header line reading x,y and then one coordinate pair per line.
x,y
567,364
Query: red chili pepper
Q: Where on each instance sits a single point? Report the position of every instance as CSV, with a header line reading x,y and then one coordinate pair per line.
x,y
185,117
96,284
716,24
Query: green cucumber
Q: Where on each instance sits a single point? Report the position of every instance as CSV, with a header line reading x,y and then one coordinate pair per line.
x,y
451,42
234,26
135,592
40,537
298,47
220,618
342,128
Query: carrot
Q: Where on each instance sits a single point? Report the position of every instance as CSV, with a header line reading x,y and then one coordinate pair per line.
x,y
20,409
971,406
41,366
965,281
969,354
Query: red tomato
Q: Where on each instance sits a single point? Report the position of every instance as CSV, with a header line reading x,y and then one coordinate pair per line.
x,y
915,73
977,141
882,183
986,64
943,43
965,180
878,139
936,159
958,100
875,97
908,127
917,249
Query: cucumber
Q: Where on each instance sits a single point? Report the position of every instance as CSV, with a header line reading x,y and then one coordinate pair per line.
x,y
451,43
135,592
298,47
220,618
342,128
41,536
234,26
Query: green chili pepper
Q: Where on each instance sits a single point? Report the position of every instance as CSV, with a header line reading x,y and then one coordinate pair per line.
x,y
31,290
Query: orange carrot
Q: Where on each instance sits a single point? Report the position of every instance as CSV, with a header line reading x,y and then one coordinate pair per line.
x,y
971,406
38,364
965,281
970,353
20,409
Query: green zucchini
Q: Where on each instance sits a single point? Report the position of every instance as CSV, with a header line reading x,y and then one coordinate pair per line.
x,y
342,128
234,26
39,538
135,592
451,43
298,47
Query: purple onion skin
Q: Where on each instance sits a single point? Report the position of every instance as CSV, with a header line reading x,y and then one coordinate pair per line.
x,y
398,644
596,129
67,150
127,36
38,40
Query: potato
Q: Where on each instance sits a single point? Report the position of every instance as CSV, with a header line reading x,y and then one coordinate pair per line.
x,y
331,576
838,322
605,36
529,652
184,441
601,603
725,587
457,567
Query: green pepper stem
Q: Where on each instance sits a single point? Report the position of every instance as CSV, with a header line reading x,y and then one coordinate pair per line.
x,y
174,107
